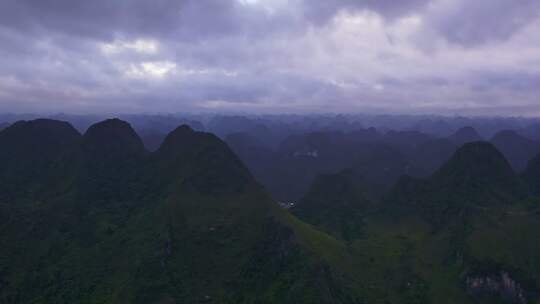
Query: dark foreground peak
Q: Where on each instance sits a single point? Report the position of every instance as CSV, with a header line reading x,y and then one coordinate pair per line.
x,y
30,153
184,138
40,137
112,136
202,161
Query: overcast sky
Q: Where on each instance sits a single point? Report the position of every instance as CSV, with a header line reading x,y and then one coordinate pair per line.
x,y
270,56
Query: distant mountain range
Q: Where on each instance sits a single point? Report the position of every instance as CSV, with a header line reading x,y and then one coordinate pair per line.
x,y
466,234
97,218
288,170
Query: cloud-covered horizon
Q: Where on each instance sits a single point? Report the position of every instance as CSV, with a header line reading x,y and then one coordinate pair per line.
x,y
271,56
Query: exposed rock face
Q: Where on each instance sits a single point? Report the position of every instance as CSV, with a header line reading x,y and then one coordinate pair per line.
x,y
500,285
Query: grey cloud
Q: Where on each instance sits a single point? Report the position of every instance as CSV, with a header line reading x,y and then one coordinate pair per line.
x,y
181,19
514,81
106,20
321,11
228,53
460,21
472,23
277,88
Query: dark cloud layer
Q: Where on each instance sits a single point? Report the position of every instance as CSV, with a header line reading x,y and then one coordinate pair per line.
x,y
269,55
321,12
482,21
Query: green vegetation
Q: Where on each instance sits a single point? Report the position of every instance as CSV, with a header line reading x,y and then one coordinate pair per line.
x,y
97,219
335,205
422,242
186,224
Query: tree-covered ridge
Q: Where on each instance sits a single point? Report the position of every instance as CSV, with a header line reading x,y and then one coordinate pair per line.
x,y
96,218
466,234
113,223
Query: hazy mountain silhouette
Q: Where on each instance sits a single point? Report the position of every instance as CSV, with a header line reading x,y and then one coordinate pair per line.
x,y
465,135
152,139
432,154
516,148
406,141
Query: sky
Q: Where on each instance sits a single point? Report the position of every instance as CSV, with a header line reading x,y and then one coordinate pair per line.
x,y
447,57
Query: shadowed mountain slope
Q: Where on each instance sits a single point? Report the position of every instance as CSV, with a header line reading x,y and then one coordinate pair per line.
x,y
516,148
444,236
105,221
335,204
32,153
532,175
186,224
476,176
464,135
431,155
112,138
